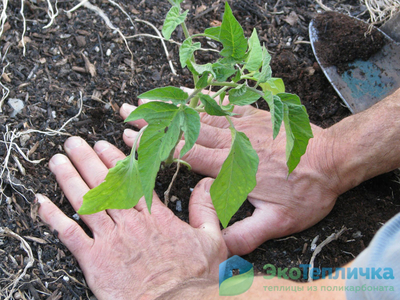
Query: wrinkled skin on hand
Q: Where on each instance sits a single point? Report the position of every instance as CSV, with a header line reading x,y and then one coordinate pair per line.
x,y
132,254
283,205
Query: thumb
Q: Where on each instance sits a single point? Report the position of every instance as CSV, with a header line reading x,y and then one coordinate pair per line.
x,y
201,210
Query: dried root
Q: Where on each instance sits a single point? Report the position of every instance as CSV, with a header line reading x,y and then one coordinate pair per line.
x,y
381,10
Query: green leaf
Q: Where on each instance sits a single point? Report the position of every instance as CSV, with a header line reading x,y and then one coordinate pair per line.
x,y
152,112
236,179
298,129
237,76
172,20
211,106
159,138
168,93
276,109
166,123
223,70
121,189
232,36
266,71
213,32
186,51
222,97
201,69
240,89
275,85
202,83
176,2
241,99
254,58
190,127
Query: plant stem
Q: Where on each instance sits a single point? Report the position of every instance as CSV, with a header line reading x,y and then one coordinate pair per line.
x,y
183,163
224,83
133,150
193,98
230,122
185,30
220,91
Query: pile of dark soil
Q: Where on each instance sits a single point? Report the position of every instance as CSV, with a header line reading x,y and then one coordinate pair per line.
x,y
342,39
49,78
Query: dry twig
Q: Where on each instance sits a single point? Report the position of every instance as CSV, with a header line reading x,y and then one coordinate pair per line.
x,y
332,237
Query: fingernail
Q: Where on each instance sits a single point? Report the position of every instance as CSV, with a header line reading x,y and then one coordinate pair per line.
x,y
101,146
145,100
58,159
73,142
207,185
127,108
40,198
130,134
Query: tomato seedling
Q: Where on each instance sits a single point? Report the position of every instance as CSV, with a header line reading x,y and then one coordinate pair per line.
x,y
242,73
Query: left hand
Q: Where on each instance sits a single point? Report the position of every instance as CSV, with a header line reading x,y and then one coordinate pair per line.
x,y
133,254
283,205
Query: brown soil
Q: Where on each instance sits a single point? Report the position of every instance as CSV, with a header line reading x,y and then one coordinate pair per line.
x,y
342,39
52,73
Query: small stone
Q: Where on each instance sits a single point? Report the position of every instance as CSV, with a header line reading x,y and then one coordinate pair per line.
x,y
76,217
108,53
17,105
178,206
23,139
97,49
17,296
80,39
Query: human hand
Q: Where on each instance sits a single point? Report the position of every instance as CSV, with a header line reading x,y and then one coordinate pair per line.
x,y
133,254
282,205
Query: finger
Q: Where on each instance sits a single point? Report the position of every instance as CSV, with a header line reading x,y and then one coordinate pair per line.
x,y
108,154
86,161
246,235
69,232
213,137
129,137
216,121
157,207
75,188
201,210
203,160
126,110
210,136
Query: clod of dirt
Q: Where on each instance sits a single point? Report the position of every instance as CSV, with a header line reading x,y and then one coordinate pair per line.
x,y
342,39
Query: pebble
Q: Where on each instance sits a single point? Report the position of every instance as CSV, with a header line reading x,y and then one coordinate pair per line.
x,y
108,53
23,139
17,105
75,217
178,206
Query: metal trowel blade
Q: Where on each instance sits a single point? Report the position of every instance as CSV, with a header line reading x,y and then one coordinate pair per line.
x,y
366,82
